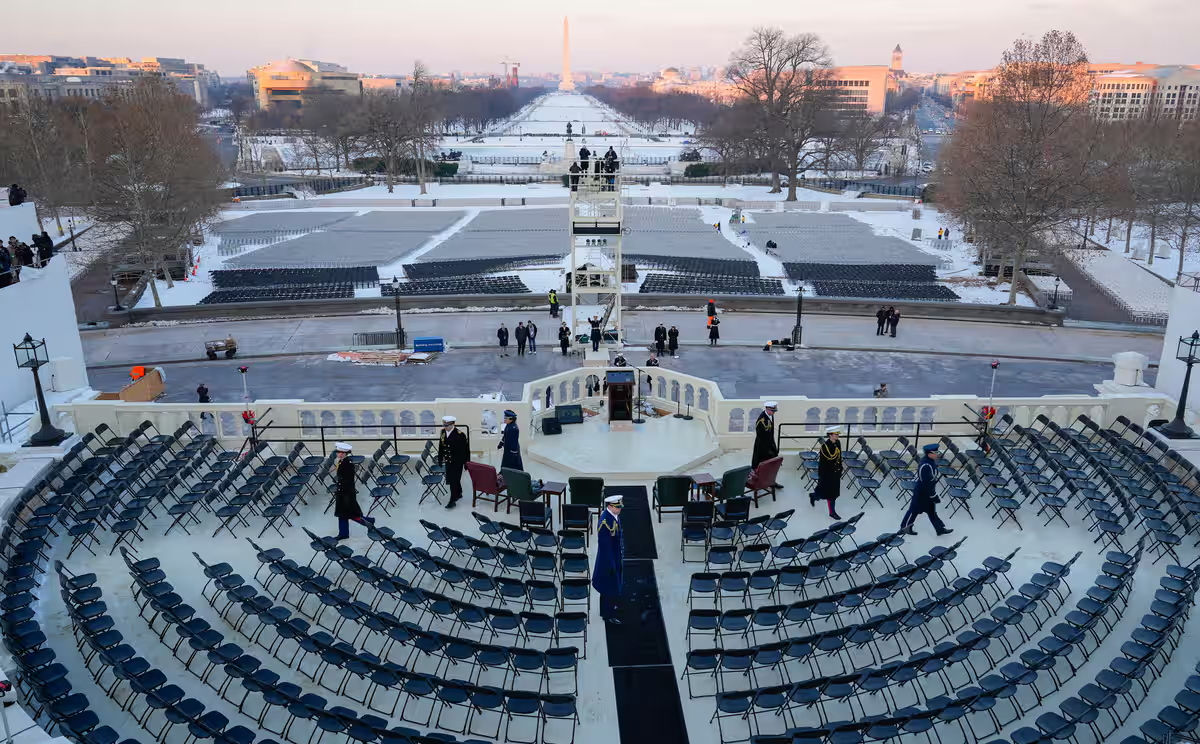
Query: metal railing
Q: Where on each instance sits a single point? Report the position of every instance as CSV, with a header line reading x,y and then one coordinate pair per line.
x,y
393,432
912,430
375,338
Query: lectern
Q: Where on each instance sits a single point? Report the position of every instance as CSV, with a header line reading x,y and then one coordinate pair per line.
x,y
620,395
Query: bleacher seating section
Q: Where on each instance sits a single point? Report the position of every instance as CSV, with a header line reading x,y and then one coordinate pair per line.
x,y
699,284
464,285
266,294
468,267
357,276
807,272
884,290
688,265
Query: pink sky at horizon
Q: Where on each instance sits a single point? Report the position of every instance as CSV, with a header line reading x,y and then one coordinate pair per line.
x,y
373,36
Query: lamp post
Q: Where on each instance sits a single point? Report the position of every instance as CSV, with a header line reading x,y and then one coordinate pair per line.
x,y
399,325
1054,300
117,307
1187,352
798,331
32,355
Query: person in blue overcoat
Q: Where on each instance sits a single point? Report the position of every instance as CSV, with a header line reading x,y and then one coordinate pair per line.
x,y
510,443
925,498
610,553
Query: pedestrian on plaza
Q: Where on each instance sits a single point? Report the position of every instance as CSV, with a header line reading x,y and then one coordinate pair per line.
x,y
660,339
829,471
610,556
881,321
202,393
947,233
939,233
564,337
522,334
673,341
453,455
925,498
575,171
502,334
895,321
711,309
529,326
345,496
510,443
584,154
596,332
714,333
554,303
882,391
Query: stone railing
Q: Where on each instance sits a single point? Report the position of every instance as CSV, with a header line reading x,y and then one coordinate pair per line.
x,y
731,421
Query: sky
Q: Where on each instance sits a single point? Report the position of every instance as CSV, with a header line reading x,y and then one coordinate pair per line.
x,y
385,36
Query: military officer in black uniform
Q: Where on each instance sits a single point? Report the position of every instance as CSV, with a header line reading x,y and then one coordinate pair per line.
x,y
764,436
453,453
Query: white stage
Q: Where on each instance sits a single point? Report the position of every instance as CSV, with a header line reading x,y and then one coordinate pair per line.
x,y
660,446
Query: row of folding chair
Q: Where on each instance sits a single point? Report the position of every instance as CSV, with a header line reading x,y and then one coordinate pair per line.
x,y
368,679
700,529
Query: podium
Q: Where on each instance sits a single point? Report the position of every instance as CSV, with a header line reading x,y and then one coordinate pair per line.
x,y
620,394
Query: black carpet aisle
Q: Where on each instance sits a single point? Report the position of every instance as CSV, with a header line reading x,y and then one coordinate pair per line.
x,y
648,703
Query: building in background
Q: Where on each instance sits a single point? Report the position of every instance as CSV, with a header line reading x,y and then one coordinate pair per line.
x,y
283,84
51,76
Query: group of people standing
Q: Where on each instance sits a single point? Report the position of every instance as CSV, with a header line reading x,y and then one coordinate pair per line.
x,y
886,320
19,253
666,340
606,166
526,335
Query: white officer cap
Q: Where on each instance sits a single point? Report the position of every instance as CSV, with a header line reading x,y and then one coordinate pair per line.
x,y
343,447
834,430
448,419
612,500
770,404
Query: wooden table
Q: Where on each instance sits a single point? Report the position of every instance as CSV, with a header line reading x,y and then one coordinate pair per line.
x,y
703,484
554,488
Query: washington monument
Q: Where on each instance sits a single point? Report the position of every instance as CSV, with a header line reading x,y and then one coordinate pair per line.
x,y
566,83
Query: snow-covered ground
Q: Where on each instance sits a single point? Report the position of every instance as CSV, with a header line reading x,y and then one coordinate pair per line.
x,y
1164,262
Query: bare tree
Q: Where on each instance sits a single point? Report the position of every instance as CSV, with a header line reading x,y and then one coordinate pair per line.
x,y
860,136
788,79
730,136
1181,223
385,131
156,179
420,120
1024,160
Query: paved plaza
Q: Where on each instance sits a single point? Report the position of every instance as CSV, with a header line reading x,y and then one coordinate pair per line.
x,y
506,233
465,373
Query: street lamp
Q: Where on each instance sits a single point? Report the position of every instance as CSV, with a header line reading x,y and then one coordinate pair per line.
x,y
1054,300
399,325
798,331
32,355
1187,352
117,307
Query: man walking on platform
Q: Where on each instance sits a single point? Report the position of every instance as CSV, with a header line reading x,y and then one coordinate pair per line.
x,y
764,436
925,498
453,454
510,443
610,554
673,341
529,326
881,319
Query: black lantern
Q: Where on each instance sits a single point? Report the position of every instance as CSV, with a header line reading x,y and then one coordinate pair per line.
x,y
399,325
117,307
32,355
1188,352
1054,301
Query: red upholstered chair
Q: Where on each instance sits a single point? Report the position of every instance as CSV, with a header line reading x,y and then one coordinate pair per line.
x,y
486,484
762,479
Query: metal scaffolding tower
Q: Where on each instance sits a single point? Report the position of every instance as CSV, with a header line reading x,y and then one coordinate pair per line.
x,y
597,227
